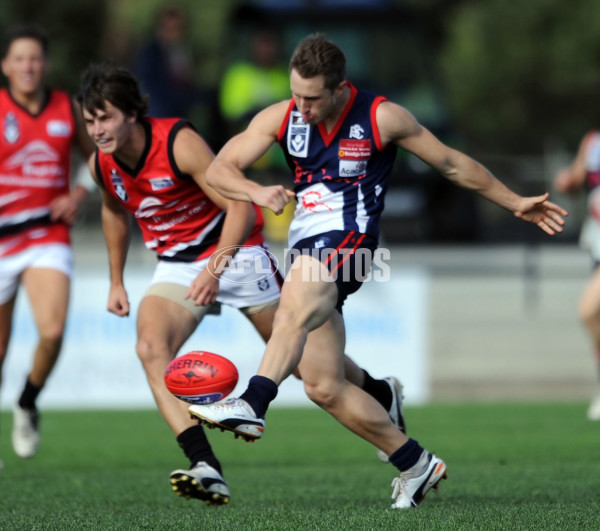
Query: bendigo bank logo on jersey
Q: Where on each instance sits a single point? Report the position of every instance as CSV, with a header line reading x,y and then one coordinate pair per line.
x,y
298,135
119,187
353,156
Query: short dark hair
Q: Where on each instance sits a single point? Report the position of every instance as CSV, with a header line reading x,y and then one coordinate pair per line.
x,y
106,81
24,32
316,56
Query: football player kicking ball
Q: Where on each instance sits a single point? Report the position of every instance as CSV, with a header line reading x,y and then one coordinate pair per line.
x,y
155,170
340,144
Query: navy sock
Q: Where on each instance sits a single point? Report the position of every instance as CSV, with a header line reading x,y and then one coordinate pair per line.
x,y
261,391
196,447
29,395
406,456
378,389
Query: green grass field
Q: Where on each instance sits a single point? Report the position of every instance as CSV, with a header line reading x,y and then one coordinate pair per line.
x,y
512,466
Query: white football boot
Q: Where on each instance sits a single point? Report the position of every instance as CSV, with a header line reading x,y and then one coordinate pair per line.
x,y
413,484
396,412
233,414
25,433
201,482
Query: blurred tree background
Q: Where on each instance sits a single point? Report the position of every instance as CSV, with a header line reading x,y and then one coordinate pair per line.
x,y
513,74
519,74
514,82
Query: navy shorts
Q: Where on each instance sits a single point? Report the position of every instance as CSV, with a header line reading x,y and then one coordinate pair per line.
x,y
347,255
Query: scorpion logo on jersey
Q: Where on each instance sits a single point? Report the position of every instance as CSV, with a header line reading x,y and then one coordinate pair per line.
x,y
311,201
117,182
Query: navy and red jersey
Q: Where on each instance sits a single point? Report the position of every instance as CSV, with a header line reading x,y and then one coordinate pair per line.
x,y
340,178
178,220
35,162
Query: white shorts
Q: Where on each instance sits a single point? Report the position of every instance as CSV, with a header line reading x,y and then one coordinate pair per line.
x,y
49,256
252,278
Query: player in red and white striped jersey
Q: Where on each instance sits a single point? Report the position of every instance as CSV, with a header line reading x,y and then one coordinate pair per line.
x,y
584,173
38,129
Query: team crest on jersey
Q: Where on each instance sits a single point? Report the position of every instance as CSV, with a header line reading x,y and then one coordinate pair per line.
x,y
11,128
356,131
263,284
117,182
298,135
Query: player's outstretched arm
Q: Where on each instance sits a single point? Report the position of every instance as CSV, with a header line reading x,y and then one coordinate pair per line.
x,y
538,210
398,126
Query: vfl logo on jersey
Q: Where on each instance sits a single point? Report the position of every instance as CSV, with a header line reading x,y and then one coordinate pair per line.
x,y
160,183
356,131
117,182
11,128
58,128
298,135
353,157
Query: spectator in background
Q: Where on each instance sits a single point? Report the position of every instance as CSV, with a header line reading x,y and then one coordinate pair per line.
x,y
37,208
248,86
584,172
165,66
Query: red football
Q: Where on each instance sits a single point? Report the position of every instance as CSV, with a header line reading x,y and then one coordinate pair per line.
x,y
200,377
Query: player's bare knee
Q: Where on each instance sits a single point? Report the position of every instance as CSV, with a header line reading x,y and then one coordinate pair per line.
x,y
51,341
52,333
324,396
151,354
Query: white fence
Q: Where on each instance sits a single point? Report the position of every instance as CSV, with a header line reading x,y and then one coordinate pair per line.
x,y
98,368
